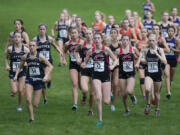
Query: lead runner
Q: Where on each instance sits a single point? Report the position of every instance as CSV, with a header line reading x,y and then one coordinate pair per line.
x,y
35,76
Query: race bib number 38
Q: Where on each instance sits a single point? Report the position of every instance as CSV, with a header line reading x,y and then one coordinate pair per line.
x,y
152,67
99,66
128,66
45,54
34,71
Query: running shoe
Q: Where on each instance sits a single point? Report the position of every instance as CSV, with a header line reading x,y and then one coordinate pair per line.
x,y
126,113
13,94
168,96
74,108
147,109
45,102
19,109
31,121
157,113
99,124
134,100
113,108
59,65
90,113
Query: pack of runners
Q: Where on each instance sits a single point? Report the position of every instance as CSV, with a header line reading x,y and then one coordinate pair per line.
x,y
104,56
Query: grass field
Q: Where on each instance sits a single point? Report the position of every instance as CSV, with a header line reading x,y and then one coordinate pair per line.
x,y
57,118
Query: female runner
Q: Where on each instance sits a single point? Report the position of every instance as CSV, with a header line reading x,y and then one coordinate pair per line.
x,y
141,46
162,44
126,55
15,53
86,73
174,45
35,77
153,72
148,22
99,25
101,73
44,43
114,73
148,6
164,24
62,27
174,18
74,68
18,25
109,25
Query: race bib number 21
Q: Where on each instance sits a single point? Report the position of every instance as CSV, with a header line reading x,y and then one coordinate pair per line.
x,y
15,66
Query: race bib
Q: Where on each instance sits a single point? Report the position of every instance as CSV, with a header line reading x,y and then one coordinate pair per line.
x,y
73,58
45,54
170,53
34,71
164,34
108,31
142,56
145,12
128,66
15,66
63,33
99,66
152,67
90,63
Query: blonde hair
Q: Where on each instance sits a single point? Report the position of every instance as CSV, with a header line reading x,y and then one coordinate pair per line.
x,y
101,14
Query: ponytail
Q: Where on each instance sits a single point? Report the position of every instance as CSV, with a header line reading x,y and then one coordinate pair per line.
x,y
22,23
103,18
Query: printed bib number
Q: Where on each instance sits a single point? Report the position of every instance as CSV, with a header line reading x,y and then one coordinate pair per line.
x,y
90,63
73,58
152,67
16,66
99,66
63,33
128,66
45,54
34,71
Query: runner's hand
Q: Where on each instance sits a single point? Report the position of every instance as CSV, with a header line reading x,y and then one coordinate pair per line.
x,y
15,78
79,61
111,67
45,79
83,65
8,68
